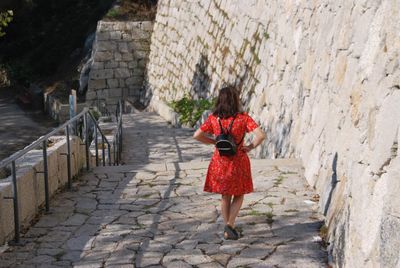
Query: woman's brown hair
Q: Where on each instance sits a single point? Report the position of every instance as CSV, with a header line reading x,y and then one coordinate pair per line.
x,y
228,103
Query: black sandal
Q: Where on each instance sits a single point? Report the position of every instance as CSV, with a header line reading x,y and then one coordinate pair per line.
x,y
230,233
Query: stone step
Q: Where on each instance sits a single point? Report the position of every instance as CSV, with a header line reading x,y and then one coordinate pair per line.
x,y
256,164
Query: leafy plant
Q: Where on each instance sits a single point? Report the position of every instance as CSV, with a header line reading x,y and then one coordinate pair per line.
x,y
96,114
113,13
190,110
5,18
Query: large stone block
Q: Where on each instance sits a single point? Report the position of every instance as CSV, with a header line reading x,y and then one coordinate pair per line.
x,y
139,45
390,241
97,83
139,34
6,212
97,65
102,36
140,54
115,92
123,64
122,73
105,46
101,74
112,83
115,35
103,26
134,81
123,47
126,37
127,56
103,56
111,64
132,64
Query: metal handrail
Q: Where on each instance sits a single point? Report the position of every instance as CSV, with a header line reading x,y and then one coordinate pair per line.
x,y
44,140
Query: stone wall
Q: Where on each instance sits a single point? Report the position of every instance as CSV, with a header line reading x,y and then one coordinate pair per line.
x,y
323,80
119,58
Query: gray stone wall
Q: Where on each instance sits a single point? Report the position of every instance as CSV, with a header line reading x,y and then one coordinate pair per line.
x,y
323,80
119,59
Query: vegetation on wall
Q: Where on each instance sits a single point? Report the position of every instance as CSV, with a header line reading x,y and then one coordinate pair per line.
x,y
190,110
133,10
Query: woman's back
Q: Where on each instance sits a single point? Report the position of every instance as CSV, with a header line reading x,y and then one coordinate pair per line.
x,y
243,124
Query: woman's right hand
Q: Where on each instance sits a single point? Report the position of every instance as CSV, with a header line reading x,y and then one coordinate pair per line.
x,y
248,148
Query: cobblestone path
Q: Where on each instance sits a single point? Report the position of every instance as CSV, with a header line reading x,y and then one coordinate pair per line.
x,y
149,139
155,214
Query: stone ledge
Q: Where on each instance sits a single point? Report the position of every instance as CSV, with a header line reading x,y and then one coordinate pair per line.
x,y
166,112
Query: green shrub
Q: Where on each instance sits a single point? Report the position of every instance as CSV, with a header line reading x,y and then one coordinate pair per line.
x,y
190,110
5,18
95,113
113,13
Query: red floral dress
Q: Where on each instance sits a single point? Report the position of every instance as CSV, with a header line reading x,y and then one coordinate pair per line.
x,y
229,175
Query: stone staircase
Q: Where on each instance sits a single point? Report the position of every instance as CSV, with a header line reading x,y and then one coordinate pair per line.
x,y
152,212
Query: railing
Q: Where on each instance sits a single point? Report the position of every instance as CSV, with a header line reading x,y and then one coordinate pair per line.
x,y
82,118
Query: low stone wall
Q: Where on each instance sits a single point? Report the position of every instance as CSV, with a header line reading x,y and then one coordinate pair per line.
x,y
31,184
31,193
161,107
119,59
59,111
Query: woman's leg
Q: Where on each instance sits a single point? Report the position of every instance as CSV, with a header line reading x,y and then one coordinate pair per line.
x,y
234,209
225,207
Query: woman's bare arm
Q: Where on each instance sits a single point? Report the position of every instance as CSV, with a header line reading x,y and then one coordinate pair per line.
x,y
259,138
203,137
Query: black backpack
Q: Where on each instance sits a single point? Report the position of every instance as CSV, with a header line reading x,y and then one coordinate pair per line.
x,y
225,143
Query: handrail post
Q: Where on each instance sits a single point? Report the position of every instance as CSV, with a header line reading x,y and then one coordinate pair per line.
x,y
46,176
96,146
85,122
114,154
120,138
117,147
109,154
68,158
15,199
103,151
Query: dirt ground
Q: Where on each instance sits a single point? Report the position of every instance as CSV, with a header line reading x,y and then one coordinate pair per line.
x,y
19,127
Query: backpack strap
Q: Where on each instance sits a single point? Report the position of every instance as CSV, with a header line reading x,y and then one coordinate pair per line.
x,y
230,127
231,124
220,126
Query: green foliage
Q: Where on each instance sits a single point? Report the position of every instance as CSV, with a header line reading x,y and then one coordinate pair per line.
x,y
190,110
95,113
113,13
132,10
5,18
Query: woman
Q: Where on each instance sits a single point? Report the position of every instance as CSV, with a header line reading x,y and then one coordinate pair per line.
x,y
229,176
